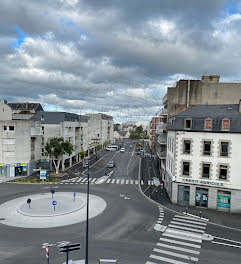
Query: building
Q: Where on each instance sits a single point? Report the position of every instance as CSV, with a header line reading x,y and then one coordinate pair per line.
x,y
118,135
85,132
153,127
20,143
25,108
202,164
207,91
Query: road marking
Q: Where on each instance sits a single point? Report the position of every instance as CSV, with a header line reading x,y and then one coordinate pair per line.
x,y
148,262
122,181
180,242
186,228
175,254
94,179
178,248
182,238
113,181
183,233
127,181
79,179
167,259
191,218
189,221
108,181
117,181
136,181
159,221
225,244
131,181
185,224
85,179
237,242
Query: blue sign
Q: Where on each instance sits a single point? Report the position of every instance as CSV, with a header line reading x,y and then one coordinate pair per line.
x,y
43,174
74,194
54,203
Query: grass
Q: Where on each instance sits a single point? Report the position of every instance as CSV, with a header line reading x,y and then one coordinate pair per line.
x,y
35,180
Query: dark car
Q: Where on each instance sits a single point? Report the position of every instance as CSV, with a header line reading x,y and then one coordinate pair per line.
x,y
111,164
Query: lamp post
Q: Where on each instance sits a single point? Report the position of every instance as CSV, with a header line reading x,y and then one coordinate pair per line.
x,y
87,219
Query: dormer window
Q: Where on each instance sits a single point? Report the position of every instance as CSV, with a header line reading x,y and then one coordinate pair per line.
x,y
208,124
188,123
225,124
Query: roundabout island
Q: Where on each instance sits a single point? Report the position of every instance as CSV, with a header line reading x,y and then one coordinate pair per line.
x,y
44,211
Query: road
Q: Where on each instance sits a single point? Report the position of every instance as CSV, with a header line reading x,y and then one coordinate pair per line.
x,y
124,231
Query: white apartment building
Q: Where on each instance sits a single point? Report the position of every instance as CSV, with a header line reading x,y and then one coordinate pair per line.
x,y
203,167
20,141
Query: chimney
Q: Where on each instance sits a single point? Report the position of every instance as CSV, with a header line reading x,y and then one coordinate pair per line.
x,y
240,106
5,102
210,78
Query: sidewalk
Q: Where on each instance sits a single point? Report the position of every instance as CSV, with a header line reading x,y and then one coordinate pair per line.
x,y
217,217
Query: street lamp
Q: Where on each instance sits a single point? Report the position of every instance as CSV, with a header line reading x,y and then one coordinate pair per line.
x,y
87,218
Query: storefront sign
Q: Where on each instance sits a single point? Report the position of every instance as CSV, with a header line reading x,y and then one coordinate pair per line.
x,y
223,201
43,174
205,182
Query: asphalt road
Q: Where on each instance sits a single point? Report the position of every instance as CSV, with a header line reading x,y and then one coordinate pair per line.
x,y
124,231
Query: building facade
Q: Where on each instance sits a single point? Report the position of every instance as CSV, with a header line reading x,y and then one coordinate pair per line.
x,y
202,164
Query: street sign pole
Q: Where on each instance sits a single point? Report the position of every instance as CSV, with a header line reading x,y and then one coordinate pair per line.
x,y
67,248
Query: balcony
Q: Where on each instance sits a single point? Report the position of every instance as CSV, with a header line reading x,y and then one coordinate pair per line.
x,y
162,139
36,131
161,153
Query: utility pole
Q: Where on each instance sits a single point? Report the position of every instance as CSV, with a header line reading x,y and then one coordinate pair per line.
x,y
87,219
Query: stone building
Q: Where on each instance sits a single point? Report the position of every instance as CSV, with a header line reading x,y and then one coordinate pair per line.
x,y
203,167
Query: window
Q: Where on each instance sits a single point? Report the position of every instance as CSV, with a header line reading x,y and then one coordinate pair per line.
x,y
224,149
225,124
5,128
186,147
208,124
207,148
206,171
223,172
188,123
42,118
11,128
186,168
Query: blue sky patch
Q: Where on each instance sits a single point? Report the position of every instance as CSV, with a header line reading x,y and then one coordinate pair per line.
x,y
232,7
21,36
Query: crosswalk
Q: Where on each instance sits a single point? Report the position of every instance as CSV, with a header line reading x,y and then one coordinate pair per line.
x,y
180,243
84,180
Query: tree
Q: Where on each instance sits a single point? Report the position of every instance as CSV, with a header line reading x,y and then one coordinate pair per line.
x,y
55,148
135,136
116,127
139,130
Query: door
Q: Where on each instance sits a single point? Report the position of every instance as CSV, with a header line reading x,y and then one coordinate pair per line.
x,y
183,195
202,197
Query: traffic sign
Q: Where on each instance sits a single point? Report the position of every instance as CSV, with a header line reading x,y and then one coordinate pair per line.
x,y
74,194
43,174
54,203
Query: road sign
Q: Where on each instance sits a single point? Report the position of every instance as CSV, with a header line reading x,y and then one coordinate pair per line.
x,y
74,194
43,174
52,191
156,181
28,202
54,203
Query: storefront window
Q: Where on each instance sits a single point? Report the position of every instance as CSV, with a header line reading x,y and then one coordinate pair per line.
x,y
223,201
201,197
183,194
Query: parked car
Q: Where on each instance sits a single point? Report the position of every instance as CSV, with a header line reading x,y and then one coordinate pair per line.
x,y
122,150
111,164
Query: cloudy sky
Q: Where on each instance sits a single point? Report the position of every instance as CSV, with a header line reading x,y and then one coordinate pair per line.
x,y
113,56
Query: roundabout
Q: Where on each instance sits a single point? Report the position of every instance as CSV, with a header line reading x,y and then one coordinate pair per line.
x,y
44,212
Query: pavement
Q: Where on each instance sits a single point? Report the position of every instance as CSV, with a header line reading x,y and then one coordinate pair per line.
x,y
158,194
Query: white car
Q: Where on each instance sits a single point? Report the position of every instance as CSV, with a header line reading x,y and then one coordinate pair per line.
x,y
122,150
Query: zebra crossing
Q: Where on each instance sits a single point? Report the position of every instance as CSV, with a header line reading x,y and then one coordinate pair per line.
x,y
84,180
180,243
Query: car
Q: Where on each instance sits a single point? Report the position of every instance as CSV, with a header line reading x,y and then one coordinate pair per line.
x,y
111,164
122,150
138,153
131,146
86,163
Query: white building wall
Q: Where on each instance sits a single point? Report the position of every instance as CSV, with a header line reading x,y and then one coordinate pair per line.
x,y
196,157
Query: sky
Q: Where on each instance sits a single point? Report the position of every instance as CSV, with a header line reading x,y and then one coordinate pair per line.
x,y
113,56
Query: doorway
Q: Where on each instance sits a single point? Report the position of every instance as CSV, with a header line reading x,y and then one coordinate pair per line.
x,y
183,195
202,197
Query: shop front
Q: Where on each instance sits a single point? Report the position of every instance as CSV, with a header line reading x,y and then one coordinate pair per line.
x,y
224,201
183,195
21,169
201,197
2,170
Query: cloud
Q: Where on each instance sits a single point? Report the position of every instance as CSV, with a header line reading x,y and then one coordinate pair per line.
x,y
116,57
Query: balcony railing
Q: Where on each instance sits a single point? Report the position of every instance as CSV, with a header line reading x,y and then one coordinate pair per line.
x,y
36,131
161,153
162,139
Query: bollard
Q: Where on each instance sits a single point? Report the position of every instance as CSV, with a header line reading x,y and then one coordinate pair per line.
x,y
200,213
156,195
186,210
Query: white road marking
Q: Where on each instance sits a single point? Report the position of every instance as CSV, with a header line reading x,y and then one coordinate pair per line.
x,y
148,262
175,254
142,182
159,221
117,181
178,248
127,181
225,244
191,218
113,181
85,179
182,238
237,242
79,179
185,224
136,181
122,181
94,179
108,181
131,181
186,228
167,260
183,233
180,242
189,221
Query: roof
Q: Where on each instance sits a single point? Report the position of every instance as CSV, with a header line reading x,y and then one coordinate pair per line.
x,y
201,112
122,133
26,106
22,116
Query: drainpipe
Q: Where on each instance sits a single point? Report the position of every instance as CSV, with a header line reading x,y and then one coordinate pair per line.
x,y
188,94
